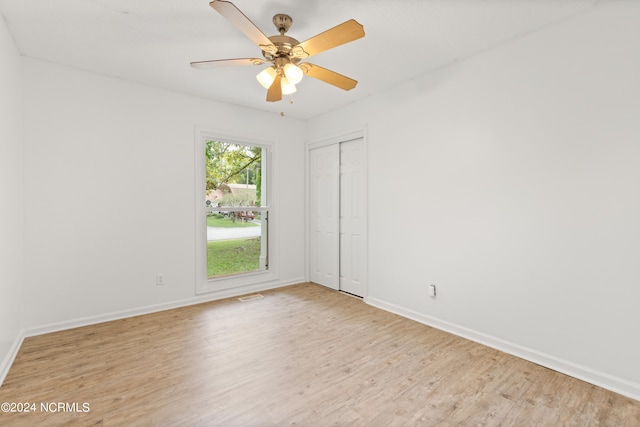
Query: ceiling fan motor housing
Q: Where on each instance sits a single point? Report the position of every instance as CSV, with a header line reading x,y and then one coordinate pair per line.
x,y
284,44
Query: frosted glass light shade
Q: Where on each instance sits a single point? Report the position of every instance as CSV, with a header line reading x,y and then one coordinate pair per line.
x,y
287,87
266,77
293,72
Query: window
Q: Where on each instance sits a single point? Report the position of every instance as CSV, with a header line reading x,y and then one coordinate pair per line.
x,y
232,213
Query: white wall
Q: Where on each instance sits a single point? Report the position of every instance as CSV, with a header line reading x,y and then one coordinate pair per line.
x,y
11,199
110,192
511,180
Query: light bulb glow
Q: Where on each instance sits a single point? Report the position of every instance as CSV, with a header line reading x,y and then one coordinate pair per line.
x,y
287,87
293,72
266,77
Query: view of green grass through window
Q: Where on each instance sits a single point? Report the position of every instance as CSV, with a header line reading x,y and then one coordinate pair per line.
x,y
236,209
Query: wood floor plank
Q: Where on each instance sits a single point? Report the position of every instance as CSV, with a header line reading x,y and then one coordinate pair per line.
x,y
302,355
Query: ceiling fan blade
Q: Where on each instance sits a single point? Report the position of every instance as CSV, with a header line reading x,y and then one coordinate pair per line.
x,y
232,14
274,93
328,76
344,33
216,63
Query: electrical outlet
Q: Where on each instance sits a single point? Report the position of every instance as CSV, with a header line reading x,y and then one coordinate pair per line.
x,y
432,291
160,279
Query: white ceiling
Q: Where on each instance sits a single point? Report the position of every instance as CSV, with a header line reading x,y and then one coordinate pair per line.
x,y
153,42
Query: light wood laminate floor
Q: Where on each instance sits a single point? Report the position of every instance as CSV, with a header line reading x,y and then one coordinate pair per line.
x,y
301,355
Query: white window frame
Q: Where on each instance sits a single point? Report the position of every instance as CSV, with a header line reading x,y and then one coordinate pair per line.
x,y
203,283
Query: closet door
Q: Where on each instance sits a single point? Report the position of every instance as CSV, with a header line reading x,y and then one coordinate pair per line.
x,y
353,224
324,180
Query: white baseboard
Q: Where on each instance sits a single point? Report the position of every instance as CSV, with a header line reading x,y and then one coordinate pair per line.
x,y
600,379
116,315
11,356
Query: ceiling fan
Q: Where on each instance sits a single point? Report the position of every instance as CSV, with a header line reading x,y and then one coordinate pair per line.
x,y
284,53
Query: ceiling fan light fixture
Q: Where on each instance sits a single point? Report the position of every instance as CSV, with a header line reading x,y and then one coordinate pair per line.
x,y
293,73
287,87
266,77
